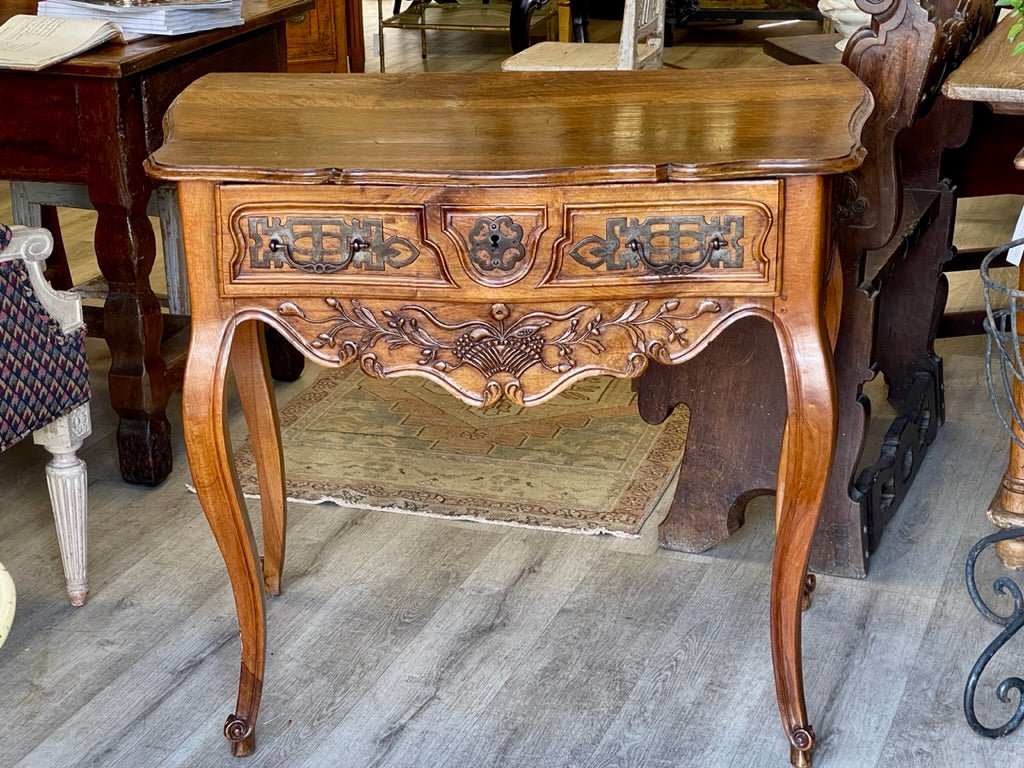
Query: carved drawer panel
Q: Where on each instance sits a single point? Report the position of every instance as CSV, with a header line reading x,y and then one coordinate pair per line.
x,y
732,239
672,239
315,243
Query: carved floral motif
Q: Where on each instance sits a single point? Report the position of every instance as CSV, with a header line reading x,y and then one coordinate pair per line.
x,y
503,347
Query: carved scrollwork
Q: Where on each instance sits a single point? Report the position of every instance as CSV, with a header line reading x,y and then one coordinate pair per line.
x,y
504,347
849,202
674,245
325,245
802,738
237,728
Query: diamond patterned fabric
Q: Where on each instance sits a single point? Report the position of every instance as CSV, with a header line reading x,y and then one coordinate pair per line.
x,y
43,370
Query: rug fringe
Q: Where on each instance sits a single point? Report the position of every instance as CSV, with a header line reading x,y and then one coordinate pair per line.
x,y
464,518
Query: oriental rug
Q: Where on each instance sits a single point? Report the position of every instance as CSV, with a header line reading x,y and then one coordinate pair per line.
x,y
583,463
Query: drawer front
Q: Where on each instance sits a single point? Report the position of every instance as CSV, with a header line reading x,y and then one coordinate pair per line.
x,y
309,243
627,243
717,238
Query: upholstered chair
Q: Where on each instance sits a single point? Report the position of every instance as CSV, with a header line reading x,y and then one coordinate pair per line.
x,y
44,385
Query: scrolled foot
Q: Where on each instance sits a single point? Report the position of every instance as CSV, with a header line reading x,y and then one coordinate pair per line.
x,y
241,734
801,743
810,582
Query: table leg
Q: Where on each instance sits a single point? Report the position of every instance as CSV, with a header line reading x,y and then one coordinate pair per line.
x,y
126,249
354,36
252,378
807,446
216,483
1007,507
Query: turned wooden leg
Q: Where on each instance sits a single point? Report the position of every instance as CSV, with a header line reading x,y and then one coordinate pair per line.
x,y
216,483
252,377
67,480
1007,507
807,449
125,252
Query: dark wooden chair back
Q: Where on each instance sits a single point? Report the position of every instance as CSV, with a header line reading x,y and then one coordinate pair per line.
x,y
893,221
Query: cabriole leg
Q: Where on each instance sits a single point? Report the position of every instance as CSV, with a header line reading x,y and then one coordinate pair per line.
x,y
216,483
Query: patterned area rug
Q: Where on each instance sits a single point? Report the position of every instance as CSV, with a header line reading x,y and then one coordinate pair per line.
x,y
584,462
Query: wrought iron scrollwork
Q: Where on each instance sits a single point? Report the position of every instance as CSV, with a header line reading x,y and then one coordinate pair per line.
x,y
1003,361
1011,624
665,245
325,246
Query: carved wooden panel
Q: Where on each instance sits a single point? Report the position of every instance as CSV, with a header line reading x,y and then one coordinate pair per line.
x,y
524,352
327,38
614,238
317,36
703,242
497,246
281,243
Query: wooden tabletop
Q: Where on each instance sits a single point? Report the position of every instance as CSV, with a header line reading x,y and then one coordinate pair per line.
x,y
991,74
805,49
119,60
516,127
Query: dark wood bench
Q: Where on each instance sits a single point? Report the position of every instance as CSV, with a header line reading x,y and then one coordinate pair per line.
x,y
893,232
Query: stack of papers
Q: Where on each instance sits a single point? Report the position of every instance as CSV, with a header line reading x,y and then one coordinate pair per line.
x,y
33,43
154,18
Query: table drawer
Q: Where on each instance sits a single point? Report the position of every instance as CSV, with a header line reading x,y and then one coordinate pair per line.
x,y
696,241
299,242
719,237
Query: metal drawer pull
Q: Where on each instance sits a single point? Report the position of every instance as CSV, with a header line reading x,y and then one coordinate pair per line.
x,y
637,246
358,245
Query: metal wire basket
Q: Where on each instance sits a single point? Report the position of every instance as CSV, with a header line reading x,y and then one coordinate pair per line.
x,y
1004,370
1004,359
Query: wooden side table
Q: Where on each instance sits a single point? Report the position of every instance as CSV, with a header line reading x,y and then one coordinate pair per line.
x,y
93,120
500,261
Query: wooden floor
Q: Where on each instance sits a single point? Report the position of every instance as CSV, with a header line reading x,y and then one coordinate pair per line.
x,y
402,641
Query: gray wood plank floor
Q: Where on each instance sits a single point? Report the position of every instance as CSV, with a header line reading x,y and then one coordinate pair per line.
x,y
401,641
406,642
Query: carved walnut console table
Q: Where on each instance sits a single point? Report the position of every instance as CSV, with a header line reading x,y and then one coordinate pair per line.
x,y
501,261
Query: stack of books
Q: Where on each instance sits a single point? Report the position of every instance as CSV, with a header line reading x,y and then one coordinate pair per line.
x,y
138,18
